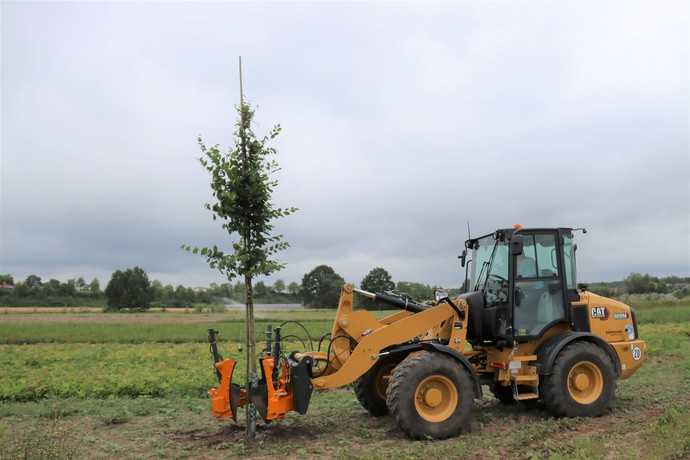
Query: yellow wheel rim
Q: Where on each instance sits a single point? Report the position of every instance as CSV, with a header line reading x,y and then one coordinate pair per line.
x,y
436,398
383,376
585,382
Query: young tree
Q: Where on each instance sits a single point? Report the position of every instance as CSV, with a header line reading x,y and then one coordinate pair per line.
x,y
242,184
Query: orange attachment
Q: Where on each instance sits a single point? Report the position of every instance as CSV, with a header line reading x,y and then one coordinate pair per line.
x,y
279,398
221,404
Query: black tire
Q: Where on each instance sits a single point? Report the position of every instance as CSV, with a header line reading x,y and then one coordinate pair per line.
x,y
371,391
556,394
407,376
503,394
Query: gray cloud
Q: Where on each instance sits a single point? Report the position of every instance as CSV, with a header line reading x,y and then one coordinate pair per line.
x,y
401,123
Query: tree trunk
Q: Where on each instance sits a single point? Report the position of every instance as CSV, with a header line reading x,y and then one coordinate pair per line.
x,y
252,379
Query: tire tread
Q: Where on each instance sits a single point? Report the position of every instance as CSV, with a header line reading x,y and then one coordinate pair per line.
x,y
555,394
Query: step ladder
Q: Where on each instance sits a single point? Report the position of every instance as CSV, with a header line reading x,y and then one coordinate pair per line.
x,y
525,375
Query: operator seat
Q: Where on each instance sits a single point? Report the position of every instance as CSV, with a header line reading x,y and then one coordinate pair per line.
x,y
526,267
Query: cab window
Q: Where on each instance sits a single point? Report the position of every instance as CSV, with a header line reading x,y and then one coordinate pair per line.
x,y
538,293
527,261
569,261
547,259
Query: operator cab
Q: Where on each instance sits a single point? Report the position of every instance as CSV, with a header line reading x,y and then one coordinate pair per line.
x,y
519,283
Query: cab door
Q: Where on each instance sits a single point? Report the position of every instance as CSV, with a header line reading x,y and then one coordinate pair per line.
x,y
539,296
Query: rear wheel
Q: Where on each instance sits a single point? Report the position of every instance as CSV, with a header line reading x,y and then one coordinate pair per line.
x,y
582,382
431,396
370,388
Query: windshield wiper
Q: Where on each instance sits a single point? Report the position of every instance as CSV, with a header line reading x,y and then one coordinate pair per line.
x,y
481,272
485,264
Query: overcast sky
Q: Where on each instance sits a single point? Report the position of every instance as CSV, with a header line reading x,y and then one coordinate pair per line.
x,y
401,122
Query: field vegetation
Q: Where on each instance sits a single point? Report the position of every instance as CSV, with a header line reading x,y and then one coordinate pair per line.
x,y
132,385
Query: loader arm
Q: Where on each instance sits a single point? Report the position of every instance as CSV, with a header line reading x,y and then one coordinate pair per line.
x,y
372,340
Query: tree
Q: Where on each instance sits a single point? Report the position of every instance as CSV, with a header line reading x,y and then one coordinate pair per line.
x,y
321,287
129,289
95,287
33,281
184,296
168,293
293,288
21,290
52,287
7,279
279,286
637,283
80,284
260,290
417,291
156,290
377,280
69,288
242,185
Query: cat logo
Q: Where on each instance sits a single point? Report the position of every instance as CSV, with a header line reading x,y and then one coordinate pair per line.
x,y
600,312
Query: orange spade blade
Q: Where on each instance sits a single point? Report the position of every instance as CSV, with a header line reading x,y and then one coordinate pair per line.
x,y
222,405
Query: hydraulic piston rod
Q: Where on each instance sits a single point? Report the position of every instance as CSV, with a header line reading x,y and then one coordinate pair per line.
x,y
401,302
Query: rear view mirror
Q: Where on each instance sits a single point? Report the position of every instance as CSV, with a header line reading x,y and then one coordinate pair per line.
x,y
440,294
516,246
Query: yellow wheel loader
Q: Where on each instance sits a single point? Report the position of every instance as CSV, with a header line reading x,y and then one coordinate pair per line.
x,y
522,327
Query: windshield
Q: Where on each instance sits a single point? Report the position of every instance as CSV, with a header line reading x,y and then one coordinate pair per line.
x,y
481,256
490,269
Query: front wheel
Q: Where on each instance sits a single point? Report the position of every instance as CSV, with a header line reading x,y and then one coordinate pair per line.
x,y
430,395
582,382
370,388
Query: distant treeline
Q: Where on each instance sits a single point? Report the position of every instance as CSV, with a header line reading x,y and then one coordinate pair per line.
x,y
134,285
638,283
319,288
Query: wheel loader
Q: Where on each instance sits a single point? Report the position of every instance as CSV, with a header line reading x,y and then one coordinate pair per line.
x,y
520,326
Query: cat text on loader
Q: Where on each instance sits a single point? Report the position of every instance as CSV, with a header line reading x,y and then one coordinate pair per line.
x,y
522,327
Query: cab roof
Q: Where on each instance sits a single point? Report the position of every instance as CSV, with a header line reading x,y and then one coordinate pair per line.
x,y
508,232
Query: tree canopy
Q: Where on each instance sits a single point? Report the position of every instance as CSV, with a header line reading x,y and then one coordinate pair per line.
x,y
321,287
242,188
129,289
637,283
378,280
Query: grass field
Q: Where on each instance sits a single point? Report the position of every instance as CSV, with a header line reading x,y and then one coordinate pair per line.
x,y
76,385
